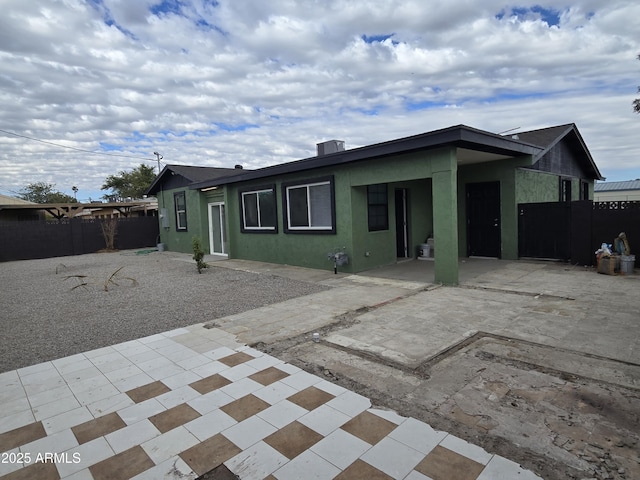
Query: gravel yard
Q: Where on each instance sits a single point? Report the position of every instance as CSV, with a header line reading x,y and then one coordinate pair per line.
x,y
45,312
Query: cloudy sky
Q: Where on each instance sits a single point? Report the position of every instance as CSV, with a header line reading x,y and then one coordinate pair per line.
x,y
217,83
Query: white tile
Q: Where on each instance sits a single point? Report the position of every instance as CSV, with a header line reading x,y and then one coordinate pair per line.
x,y
66,420
44,384
350,403
38,368
78,359
8,379
154,364
16,421
309,466
466,449
50,395
83,474
157,344
12,392
324,419
392,457
151,338
414,475
340,448
165,371
275,392
178,396
219,353
250,351
210,424
193,362
56,407
257,462
238,372
418,435
110,404
99,352
301,380
88,454
331,388
249,431
172,468
499,468
111,362
209,368
176,332
168,444
180,380
241,388
12,407
69,368
96,394
134,381
288,368
143,356
389,415
141,411
81,375
89,384
282,413
210,401
56,442
265,361
116,376
132,435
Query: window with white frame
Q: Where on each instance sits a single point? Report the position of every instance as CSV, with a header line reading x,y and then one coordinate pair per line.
x,y
259,210
310,206
180,203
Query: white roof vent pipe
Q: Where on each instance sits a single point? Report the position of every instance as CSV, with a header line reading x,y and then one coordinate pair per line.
x,y
330,146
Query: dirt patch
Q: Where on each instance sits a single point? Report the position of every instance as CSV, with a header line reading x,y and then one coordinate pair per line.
x,y
579,420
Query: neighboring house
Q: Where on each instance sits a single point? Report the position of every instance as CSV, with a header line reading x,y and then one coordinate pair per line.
x,y
627,191
9,214
185,213
377,203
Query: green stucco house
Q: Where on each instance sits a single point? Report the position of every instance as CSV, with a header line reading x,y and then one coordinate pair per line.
x,y
460,186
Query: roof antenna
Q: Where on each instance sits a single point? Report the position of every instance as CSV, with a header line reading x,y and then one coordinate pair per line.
x,y
510,130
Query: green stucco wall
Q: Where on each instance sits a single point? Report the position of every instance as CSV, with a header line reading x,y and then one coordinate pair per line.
x,y
537,187
365,249
180,241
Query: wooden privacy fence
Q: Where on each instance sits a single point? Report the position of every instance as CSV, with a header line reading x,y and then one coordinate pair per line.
x,y
574,231
24,240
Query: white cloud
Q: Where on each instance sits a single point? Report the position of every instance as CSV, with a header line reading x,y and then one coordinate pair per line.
x,y
260,83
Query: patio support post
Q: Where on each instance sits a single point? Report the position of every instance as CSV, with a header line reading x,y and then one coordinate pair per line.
x,y
445,217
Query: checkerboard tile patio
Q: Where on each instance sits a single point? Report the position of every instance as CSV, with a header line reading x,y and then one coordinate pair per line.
x,y
149,408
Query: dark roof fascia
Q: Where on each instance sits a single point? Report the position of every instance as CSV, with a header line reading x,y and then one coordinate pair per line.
x,y
183,170
458,136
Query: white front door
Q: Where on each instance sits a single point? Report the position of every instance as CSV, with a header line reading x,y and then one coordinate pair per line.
x,y
217,232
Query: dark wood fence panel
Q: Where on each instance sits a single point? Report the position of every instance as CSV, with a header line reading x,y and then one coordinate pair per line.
x,y
543,230
38,239
574,231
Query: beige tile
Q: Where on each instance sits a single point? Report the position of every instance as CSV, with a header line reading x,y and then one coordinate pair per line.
x,y
99,427
209,454
236,359
244,407
360,470
310,398
209,384
174,417
268,376
122,466
293,439
443,464
22,435
145,392
369,427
